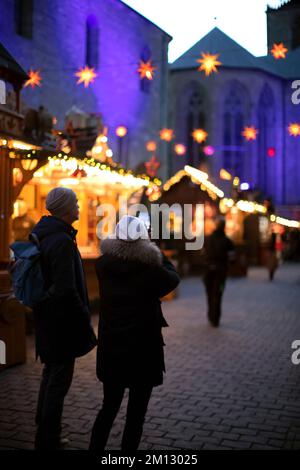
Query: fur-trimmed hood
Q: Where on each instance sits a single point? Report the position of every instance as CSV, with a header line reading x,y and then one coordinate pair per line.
x,y
142,251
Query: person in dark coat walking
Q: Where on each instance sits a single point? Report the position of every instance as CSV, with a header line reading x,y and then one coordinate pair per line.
x,y
133,275
62,321
218,250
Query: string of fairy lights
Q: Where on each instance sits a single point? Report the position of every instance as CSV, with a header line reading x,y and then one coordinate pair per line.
x,y
201,179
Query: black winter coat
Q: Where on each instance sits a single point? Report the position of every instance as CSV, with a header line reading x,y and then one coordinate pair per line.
x,y
132,278
62,322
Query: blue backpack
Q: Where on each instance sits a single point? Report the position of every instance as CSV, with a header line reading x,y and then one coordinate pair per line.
x,y
26,273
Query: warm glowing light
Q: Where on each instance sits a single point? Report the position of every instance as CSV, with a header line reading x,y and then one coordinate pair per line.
x,y
86,76
250,133
166,134
121,131
34,79
152,166
199,135
294,129
236,181
29,164
279,51
209,63
225,175
180,149
151,146
201,177
146,70
17,176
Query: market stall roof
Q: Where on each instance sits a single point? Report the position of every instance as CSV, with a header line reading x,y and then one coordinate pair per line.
x,y
10,70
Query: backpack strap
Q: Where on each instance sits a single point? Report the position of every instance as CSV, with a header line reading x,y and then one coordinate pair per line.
x,y
34,239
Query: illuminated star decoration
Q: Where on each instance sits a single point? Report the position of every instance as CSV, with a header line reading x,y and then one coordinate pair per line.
x,y
294,129
86,76
34,79
152,166
166,134
180,149
199,135
146,70
250,133
279,51
208,63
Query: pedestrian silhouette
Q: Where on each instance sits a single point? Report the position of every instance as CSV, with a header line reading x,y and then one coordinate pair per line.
x,y
218,250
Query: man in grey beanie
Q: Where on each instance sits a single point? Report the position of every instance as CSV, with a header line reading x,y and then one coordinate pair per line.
x,y
62,321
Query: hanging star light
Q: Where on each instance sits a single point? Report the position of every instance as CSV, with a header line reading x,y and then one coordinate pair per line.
x,y
209,63
152,166
199,135
180,149
146,70
86,76
250,133
166,134
34,79
151,146
294,129
279,51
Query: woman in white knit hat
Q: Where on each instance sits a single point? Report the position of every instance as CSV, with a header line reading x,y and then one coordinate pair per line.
x,y
133,274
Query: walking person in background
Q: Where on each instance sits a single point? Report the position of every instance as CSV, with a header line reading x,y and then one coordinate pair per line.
x,y
133,275
62,321
218,251
272,261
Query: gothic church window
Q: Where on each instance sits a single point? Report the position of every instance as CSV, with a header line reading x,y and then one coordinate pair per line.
x,y
24,18
92,42
233,123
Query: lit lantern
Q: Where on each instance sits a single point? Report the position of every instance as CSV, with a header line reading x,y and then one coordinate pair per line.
x,y
180,149
236,181
244,186
146,70
225,175
209,150
279,51
152,166
17,176
29,164
34,79
250,133
199,135
294,129
166,134
121,131
151,146
271,152
86,76
208,63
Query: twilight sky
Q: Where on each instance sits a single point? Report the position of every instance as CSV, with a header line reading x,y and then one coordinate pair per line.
x,y
188,20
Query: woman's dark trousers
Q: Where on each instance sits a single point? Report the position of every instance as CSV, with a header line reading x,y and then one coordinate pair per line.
x,y
139,396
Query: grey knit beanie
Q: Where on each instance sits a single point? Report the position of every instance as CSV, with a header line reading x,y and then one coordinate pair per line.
x,y
60,201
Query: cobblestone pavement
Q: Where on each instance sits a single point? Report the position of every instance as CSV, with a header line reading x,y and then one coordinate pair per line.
x,y
229,388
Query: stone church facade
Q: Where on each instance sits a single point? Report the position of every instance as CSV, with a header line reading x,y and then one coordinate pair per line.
x,y
57,37
247,91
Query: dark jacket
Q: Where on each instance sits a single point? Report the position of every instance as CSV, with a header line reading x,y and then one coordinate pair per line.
x,y
217,249
62,322
132,278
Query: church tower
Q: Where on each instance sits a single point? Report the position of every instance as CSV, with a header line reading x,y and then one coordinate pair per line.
x,y
283,24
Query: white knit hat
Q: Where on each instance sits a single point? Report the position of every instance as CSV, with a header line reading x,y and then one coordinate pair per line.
x,y
60,201
131,229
